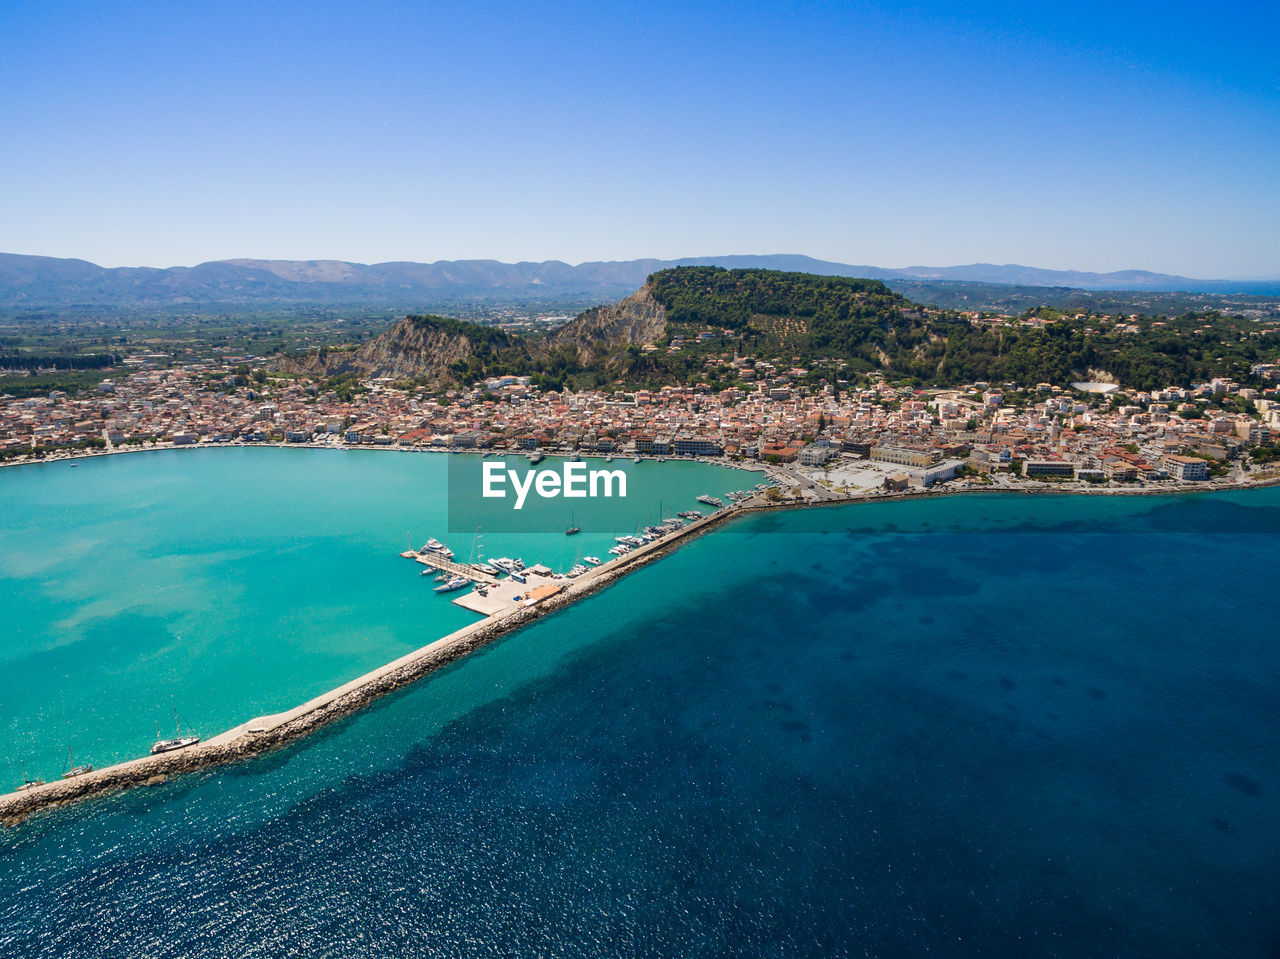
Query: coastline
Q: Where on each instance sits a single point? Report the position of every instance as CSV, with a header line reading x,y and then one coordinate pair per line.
x,y
1267,477
267,733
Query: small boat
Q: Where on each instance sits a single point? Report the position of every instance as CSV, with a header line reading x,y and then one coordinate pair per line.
x,y
536,457
178,742
593,560
74,770
636,460
577,570
608,459
29,783
456,583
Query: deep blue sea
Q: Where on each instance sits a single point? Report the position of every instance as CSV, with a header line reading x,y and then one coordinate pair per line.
x,y
972,726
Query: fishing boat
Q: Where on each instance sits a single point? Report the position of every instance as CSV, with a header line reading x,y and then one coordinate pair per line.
x,y
455,583
178,742
75,770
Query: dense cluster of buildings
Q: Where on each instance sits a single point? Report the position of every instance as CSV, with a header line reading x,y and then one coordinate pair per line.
x,y
1049,433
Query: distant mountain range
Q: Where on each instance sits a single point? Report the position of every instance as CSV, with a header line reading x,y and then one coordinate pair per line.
x,y
49,282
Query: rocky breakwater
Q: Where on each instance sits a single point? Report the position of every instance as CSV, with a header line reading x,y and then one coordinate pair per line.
x,y
273,732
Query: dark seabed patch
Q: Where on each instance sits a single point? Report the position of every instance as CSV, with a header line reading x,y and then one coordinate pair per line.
x,y
1242,783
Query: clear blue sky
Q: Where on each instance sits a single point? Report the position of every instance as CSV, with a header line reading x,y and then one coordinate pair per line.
x,y
1083,135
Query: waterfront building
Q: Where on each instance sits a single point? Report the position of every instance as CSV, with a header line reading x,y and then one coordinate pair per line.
x,y
697,446
904,456
1185,467
1049,469
817,454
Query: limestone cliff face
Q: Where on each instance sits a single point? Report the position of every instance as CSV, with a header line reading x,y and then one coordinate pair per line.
x,y
635,321
412,348
425,347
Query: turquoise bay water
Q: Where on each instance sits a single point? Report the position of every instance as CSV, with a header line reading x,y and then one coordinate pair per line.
x,y
230,583
970,726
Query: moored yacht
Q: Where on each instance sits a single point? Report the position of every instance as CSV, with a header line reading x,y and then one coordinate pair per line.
x,y
178,742
74,770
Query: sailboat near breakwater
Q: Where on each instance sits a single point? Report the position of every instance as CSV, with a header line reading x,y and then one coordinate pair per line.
x,y
74,770
178,742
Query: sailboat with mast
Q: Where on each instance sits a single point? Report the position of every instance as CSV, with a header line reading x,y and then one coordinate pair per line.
x,y
573,527
178,742
74,770
28,783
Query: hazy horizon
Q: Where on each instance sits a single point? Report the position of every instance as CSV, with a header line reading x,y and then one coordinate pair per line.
x,y
572,263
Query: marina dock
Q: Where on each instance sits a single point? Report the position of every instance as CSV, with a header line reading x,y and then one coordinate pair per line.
x,y
438,561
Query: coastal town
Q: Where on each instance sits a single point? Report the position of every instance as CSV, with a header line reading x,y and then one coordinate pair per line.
x,y
826,439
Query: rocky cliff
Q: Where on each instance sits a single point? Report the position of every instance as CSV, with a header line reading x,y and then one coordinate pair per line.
x,y
417,347
635,321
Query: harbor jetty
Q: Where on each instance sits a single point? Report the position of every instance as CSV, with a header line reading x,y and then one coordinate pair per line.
x,y
503,613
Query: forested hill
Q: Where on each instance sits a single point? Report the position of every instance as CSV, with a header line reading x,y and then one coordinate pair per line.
x,y
685,325
810,320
